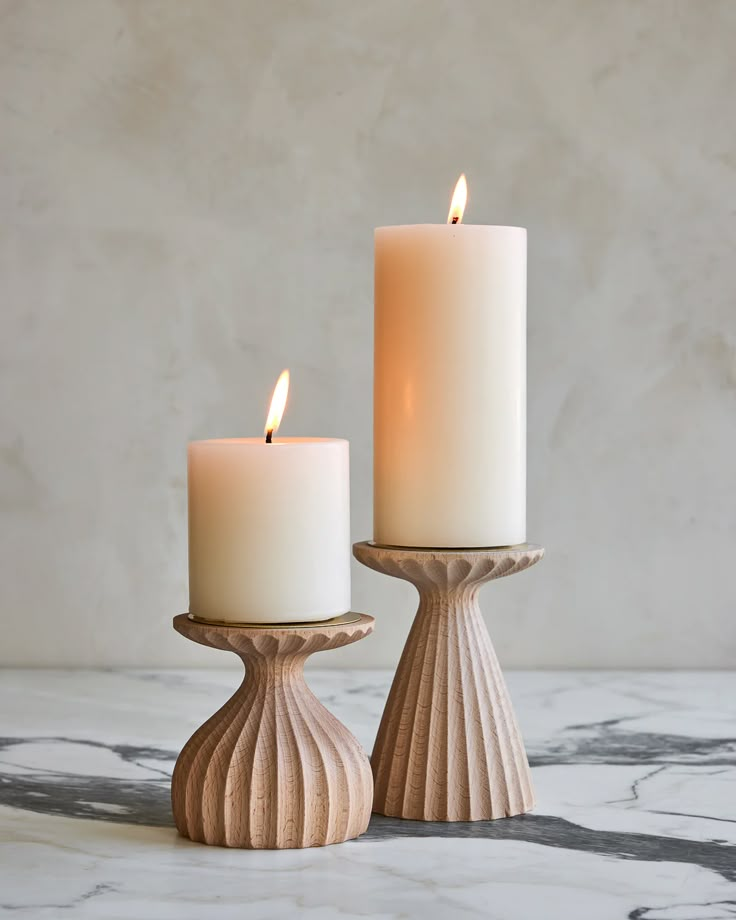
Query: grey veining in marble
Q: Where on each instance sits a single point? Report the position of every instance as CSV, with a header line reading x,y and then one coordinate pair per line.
x,y
635,777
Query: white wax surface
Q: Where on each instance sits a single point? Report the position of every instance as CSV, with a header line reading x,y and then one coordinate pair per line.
x,y
269,529
450,386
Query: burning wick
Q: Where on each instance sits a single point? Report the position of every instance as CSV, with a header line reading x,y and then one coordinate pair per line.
x,y
278,404
459,200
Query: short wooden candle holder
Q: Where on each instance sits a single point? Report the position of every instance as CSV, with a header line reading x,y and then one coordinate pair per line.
x,y
448,747
273,769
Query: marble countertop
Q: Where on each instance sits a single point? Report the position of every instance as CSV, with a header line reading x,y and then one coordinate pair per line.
x,y
635,776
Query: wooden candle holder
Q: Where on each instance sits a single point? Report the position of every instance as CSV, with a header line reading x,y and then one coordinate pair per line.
x,y
273,769
448,747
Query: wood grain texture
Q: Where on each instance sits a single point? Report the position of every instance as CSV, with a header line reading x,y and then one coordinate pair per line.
x,y
448,747
272,769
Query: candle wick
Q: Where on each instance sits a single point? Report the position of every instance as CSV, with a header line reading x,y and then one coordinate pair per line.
x,y
269,436
455,219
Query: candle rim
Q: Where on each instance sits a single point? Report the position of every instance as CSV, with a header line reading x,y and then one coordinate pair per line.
x,y
453,227
260,441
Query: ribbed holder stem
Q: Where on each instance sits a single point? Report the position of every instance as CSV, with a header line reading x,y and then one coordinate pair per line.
x,y
272,768
448,747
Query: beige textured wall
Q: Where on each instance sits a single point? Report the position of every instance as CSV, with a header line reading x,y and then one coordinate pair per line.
x,y
188,194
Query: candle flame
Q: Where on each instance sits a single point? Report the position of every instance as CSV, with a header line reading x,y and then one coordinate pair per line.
x,y
278,404
459,200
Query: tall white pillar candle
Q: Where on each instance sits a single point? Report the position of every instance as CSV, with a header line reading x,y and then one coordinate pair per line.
x,y
450,386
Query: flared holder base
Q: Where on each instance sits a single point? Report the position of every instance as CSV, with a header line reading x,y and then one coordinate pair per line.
x,y
272,769
448,747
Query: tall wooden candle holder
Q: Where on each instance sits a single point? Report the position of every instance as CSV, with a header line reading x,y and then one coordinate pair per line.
x,y
273,769
448,747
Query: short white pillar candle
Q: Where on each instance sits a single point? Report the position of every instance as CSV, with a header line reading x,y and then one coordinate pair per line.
x,y
269,529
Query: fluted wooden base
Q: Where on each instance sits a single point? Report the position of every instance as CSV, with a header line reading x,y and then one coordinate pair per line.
x,y
272,769
448,747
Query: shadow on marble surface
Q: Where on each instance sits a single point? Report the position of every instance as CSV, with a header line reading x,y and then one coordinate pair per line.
x,y
145,801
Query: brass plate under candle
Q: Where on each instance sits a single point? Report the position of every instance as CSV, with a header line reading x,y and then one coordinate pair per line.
x,y
342,620
438,550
